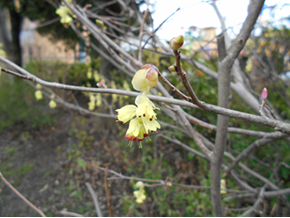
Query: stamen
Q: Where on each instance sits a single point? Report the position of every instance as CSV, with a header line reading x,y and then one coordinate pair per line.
x,y
150,119
148,139
140,144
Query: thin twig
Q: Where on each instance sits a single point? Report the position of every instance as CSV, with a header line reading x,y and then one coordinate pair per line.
x,y
276,124
257,203
21,196
184,80
247,151
153,33
186,147
141,36
69,213
173,88
108,193
95,199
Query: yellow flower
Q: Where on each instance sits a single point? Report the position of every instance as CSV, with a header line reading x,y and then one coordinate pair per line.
x,y
92,103
126,86
2,52
223,186
150,125
114,96
143,118
126,113
145,78
92,106
145,107
136,130
96,76
38,95
139,185
140,196
63,11
99,100
52,104
89,74
38,86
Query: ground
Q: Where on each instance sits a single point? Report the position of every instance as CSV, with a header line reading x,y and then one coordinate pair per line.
x,y
41,164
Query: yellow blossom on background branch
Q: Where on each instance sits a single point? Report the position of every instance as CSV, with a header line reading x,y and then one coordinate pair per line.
x,y
64,12
140,194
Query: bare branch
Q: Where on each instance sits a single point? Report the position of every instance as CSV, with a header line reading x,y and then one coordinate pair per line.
x,y
247,151
95,199
108,193
278,125
21,196
186,147
141,36
184,80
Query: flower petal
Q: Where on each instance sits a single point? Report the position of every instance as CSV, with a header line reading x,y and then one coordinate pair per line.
x,y
126,113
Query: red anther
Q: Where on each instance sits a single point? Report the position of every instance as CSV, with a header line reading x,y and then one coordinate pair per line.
x,y
150,119
144,115
121,122
134,139
129,137
139,116
145,135
140,140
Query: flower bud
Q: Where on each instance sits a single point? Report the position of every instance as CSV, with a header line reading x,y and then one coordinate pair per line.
x,y
38,95
176,42
100,23
264,94
151,76
52,104
145,78
38,86
172,69
101,84
140,185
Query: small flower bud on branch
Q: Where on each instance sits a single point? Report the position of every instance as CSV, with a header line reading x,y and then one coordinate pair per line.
x,y
172,69
264,94
176,42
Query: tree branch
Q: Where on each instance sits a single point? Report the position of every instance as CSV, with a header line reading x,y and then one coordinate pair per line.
x,y
276,124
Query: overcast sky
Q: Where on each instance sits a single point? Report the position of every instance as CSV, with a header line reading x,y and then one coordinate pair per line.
x,y
201,14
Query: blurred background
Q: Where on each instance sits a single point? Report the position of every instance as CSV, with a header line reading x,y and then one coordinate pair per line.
x,y
48,153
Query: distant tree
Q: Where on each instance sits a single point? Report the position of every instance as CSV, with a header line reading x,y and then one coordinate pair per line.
x,y
45,13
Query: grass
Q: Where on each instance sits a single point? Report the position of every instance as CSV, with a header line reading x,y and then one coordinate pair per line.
x,y
18,105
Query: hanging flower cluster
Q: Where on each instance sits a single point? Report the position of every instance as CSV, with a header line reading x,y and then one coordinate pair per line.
x,y
64,12
223,186
2,52
142,117
140,194
38,93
